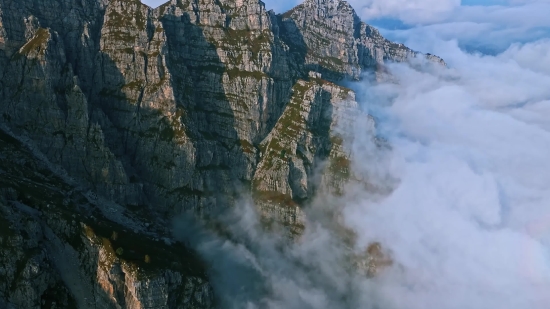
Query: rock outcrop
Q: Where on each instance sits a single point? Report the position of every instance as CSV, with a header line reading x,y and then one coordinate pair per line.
x,y
61,249
336,42
160,111
304,153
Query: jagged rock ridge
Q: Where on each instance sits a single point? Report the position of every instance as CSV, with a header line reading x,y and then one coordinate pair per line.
x,y
182,107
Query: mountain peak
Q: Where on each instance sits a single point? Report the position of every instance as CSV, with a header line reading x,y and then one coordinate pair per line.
x,y
338,43
154,113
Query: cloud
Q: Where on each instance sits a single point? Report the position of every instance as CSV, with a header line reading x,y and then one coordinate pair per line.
x,y
489,28
257,269
469,221
410,11
277,6
533,56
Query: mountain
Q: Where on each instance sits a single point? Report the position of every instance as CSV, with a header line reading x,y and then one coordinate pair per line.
x,y
116,117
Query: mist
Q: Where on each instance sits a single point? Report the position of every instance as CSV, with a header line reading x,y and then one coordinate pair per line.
x,y
466,218
469,222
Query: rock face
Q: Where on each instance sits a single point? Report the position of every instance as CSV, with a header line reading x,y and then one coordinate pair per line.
x,y
335,41
154,112
59,250
304,152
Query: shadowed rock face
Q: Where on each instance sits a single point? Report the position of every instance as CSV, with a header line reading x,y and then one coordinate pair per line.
x,y
158,111
63,247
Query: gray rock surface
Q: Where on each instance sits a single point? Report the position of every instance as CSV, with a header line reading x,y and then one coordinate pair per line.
x,y
59,251
334,41
149,113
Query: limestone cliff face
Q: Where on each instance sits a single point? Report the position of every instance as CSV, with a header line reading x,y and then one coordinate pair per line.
x,y
61,249
336,42
159,111
304,152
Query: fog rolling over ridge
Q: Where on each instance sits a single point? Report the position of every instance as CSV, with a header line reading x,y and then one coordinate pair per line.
x,y
217,154
467,223
469,220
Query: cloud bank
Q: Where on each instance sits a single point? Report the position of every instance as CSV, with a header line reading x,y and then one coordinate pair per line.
x,y
470,219
154,3
409,10
483,26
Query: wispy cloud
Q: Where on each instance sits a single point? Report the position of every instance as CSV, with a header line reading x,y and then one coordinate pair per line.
x,y
409,11
480,26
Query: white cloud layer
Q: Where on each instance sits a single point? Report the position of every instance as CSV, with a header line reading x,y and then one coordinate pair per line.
x,y
486,28
408,10
470,219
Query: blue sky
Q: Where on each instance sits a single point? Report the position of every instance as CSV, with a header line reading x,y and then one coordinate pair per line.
x,y
153,3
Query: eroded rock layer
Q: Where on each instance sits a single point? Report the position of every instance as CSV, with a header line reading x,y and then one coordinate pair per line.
x,y
159,111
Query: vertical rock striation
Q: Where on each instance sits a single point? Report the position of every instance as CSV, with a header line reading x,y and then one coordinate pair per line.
x,y
154,112
60,250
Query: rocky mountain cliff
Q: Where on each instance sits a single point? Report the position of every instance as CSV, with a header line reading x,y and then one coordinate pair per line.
x,y
116,117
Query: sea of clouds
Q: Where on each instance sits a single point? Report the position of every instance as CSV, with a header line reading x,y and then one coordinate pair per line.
x,y
467,222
